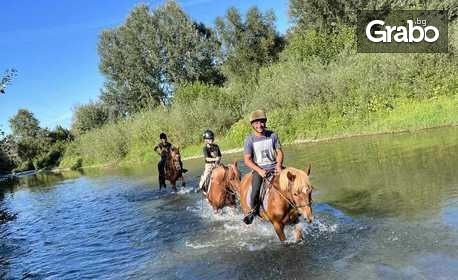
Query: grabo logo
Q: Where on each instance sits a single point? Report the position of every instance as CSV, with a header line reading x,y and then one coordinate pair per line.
x,y
402,31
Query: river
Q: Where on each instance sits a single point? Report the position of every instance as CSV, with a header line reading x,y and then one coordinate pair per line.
x,y
386,207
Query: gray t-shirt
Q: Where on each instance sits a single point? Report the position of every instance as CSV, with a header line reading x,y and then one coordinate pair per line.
x,y
263,149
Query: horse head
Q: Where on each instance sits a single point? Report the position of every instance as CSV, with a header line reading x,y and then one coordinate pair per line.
x,y
297,183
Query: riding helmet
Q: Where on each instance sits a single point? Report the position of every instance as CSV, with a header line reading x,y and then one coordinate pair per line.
x,y
208,134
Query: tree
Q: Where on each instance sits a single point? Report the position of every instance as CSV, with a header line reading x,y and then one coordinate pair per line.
x,y
24,124
247,45
7,78
89,116
323,15
60,134
329,15
6,163
150,54
28,139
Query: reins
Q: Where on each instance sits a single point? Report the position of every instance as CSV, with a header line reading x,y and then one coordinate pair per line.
x,y
292,204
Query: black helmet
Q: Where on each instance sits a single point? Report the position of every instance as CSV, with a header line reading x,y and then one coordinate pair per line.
x,y
208,134
162,136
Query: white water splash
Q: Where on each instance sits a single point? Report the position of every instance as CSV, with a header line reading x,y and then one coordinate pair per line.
x,y
250,237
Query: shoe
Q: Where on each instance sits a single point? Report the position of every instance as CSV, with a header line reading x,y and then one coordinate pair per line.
x,y
249,218
184,170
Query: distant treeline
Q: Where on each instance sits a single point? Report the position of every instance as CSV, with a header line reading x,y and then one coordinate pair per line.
x,y
166,72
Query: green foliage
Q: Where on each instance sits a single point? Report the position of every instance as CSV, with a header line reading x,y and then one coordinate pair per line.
x,y
247,45
31,146
153,52
5,162
322,15
312,44
89,116
24,124
319,88
329,15
60,134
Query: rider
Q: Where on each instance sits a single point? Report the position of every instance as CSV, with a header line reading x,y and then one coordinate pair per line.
x,y
262,154
163,150
212,156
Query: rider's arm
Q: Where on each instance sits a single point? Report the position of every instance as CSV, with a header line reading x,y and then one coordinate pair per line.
x,y
279,160
156,148
250,164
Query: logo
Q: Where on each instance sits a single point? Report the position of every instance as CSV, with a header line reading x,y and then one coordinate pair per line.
x,y
402,31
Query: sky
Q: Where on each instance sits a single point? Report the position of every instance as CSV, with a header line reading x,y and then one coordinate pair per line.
x,y
53,46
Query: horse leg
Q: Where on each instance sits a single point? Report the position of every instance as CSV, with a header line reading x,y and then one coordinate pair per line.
x,y
278,226
183,183
174,186
298,232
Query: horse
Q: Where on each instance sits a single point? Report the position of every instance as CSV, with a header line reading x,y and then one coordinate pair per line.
x,y
288,196
173,171
224,183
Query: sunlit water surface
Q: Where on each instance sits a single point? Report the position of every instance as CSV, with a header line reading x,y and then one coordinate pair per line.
x,y
386,207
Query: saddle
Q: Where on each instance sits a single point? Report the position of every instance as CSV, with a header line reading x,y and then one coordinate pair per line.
x,y
263,192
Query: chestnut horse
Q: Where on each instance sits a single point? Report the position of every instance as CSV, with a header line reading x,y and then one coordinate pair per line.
x,y
173,171
224,183
288,196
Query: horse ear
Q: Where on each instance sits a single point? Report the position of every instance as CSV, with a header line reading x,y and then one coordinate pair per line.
x,y
307,170
290,176
235,164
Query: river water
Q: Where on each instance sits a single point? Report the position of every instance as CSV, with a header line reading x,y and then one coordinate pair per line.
x,y
386,207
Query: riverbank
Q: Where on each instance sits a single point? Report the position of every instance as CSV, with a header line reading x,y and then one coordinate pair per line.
x,y
306,99
408,116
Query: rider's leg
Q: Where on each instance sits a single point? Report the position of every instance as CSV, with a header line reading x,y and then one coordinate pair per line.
x,y
256,181
203,178
161,171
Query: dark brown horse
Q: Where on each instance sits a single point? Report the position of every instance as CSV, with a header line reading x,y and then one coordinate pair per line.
x,y
173,171
288,196
224,183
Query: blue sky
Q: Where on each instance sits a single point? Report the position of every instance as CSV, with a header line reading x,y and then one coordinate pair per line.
x,y
53,45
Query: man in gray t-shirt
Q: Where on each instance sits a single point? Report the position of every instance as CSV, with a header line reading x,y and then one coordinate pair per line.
x,y
262,154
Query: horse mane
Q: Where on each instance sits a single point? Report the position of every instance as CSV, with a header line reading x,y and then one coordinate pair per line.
x,y
300,183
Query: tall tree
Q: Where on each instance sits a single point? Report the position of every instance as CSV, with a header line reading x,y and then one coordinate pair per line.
x,y
24,124
248,44
323,15
151,53
328,15
29,140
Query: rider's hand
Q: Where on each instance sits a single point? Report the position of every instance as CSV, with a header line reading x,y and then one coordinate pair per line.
x,y
262,173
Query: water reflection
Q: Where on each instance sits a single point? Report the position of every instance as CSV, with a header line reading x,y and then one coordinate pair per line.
x,y
385,207
404,175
